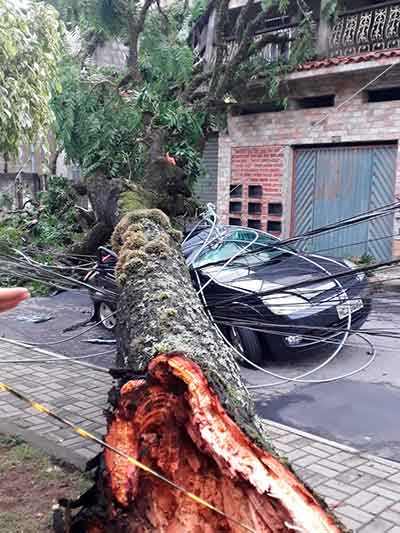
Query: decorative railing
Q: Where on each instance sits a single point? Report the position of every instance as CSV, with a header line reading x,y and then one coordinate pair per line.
x,y
271,51
366,30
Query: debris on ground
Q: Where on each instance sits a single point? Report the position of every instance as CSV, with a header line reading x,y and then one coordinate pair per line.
x,y
35,319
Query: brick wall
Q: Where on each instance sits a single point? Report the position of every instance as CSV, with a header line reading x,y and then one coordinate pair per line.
x,y
248,151
259,171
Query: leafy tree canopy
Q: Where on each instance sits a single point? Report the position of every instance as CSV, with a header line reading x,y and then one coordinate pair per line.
x,y
106,119
103,123
29,49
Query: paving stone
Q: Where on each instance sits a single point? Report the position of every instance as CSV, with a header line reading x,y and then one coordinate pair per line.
x,y
306,461
338,467
331,502
355,461
373,469
73,440
360,499
356,486
315,480
83,405
296,454
395,529
356,514
364,481
87,454
396,507
23,423
377,505
288,438
377,526
341,456
327,472
381,465
392,516
395,478
300,442
313,450
330,492
277,431
325,447
348,489
348,522
285,448
382,490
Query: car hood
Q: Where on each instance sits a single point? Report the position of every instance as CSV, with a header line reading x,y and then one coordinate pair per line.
x,y
284,270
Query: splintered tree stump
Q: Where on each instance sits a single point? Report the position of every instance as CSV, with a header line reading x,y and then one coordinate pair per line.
x,y
189,416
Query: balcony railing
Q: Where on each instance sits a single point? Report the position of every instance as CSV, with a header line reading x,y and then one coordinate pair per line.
x,y
366,30
360,30
269,52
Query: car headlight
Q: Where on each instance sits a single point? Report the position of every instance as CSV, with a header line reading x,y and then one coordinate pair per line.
x,y
360,275
285,304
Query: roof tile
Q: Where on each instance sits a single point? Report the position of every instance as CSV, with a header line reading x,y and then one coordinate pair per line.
x,y
344,60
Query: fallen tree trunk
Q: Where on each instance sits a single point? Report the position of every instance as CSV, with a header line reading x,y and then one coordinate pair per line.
x,y
182,409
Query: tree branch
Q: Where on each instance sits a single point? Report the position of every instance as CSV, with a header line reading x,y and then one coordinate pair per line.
x,y
135,28
220,43
242,18
196,82
242,53
142,14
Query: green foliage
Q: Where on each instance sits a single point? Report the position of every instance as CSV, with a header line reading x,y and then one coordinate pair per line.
x,y
103,123
29,49
56,228
281,5
330,10
197,10
363,260
6,201
101,127
97,127
56,225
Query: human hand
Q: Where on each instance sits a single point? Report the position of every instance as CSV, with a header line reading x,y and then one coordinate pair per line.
x,y
10,298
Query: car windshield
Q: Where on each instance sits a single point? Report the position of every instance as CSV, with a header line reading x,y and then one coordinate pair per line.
x,y
264,248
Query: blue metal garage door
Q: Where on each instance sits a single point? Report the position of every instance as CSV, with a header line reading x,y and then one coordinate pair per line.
x,y
335,183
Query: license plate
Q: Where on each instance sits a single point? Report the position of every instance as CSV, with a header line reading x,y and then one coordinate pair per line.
x,y
352,306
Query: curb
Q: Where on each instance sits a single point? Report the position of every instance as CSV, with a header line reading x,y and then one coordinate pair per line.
x,y
56,451
333,444
54,354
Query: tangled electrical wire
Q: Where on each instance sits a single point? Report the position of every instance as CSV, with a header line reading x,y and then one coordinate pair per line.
x,y
339,284
216,308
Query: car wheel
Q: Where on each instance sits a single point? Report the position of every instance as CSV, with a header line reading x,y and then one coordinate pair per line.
x,y
103,313
248,343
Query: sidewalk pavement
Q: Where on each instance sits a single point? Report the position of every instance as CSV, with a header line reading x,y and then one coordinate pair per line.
x,y
363,490
386,280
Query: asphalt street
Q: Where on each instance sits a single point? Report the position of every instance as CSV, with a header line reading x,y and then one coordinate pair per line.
x,y
59,312
361,410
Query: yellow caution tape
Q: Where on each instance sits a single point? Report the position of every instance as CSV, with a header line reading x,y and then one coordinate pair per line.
x,y
87,435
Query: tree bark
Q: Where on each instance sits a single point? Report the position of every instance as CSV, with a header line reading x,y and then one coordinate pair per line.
x,y
183,410
104,195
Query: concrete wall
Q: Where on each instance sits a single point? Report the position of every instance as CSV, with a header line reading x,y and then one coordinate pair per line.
x,y
258,148
111,54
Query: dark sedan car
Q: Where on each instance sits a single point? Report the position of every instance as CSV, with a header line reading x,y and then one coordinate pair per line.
x,y
231,268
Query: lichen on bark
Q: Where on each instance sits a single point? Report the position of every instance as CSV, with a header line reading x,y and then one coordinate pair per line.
x,y
160,312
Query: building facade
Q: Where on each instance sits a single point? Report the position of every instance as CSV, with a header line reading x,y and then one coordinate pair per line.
x,y
332,153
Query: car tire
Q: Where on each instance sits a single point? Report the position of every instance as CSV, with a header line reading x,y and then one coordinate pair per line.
x,y
102,310
248,343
